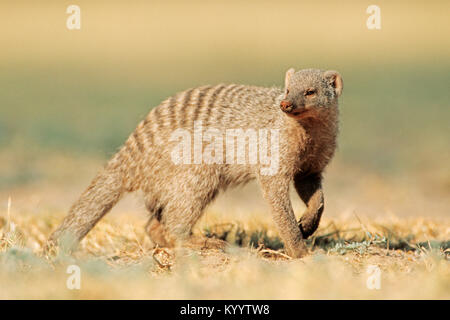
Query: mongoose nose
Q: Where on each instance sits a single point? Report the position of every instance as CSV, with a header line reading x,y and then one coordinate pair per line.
x,y
286,105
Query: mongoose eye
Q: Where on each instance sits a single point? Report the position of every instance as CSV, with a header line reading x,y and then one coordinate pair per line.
x,y
310,92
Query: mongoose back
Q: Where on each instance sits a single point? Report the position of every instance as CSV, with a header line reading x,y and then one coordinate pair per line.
x,y
177,157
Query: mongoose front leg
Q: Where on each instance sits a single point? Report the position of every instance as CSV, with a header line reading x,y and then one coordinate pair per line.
x,y
276,192
309,188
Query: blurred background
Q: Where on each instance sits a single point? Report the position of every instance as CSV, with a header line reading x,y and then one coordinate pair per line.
x,y
69,98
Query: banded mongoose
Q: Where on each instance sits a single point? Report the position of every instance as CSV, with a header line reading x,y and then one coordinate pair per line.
x,y
303,117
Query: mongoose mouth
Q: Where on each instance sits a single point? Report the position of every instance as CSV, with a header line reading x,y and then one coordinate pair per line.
x,y
290,109
301,113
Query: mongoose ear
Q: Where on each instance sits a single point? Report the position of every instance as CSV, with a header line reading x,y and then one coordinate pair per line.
x,y
334,79
288,77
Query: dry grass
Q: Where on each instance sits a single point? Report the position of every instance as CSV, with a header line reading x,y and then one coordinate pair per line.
x,y
369,219
118,261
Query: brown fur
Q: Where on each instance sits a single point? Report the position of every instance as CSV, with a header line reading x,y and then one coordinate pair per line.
x,y
176,195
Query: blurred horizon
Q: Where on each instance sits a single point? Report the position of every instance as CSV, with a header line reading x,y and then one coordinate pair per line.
x,y
77,94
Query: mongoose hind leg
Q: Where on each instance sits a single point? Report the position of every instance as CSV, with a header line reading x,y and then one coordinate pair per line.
x,y
178,219
157,234
160,237
182,212
154,227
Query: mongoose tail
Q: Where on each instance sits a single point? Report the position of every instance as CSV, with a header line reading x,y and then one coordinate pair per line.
x,y
97,200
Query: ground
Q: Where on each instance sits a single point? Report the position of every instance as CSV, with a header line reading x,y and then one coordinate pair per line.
x,y
117,259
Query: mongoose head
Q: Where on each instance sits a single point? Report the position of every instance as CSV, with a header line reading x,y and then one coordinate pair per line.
x,y
308,92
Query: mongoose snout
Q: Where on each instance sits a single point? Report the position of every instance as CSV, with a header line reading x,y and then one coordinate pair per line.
x,y
292,109
287,106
